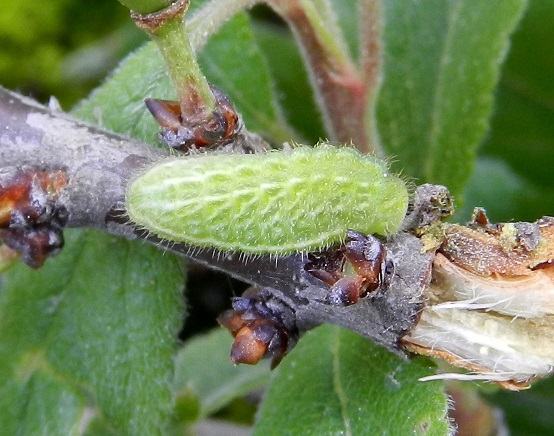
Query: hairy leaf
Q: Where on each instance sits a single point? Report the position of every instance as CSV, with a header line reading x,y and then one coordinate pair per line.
x,y
233,61
441,65
335,382
140,76
521,128
89,336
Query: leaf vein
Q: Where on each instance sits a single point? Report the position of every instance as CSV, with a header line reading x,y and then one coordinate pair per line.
x,y
434,130
337,384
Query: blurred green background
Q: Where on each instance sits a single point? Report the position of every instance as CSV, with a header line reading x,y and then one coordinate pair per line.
x,y
62,47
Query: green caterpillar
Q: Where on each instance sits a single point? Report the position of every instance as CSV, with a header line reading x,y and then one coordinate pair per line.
x,y
279,202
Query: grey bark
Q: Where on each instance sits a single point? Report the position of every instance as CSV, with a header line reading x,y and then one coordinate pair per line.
x,y
100,163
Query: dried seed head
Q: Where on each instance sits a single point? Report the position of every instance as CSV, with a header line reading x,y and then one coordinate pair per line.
x,y
490,304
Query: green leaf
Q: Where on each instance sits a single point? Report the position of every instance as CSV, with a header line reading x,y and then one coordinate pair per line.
x,y
203,370
441,65
335,382
61,414
521,128
296,96
91,333
118,104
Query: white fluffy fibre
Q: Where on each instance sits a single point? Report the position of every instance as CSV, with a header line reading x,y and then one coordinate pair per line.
x,y
501,329
507,349
529,296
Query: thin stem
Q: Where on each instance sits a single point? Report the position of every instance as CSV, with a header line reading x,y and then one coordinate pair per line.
x,y
167,29
192,87
339,87
329,34
210,17
371,63
145,6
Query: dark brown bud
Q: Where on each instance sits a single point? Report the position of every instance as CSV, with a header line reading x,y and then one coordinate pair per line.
x,y
263,328
354,270
184,134
247,348
31,221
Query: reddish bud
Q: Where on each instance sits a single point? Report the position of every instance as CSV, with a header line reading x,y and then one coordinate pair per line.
x,y
257,324
247,348
31,222
354,270
183,133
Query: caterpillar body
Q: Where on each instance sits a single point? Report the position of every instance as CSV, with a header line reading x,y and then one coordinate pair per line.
x,y
278,202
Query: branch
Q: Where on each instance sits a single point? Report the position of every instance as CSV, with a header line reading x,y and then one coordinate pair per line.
x,y
479,296
98,165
